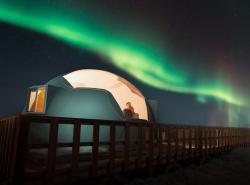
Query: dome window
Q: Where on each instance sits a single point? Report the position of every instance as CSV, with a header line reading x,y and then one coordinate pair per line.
x,y
37,99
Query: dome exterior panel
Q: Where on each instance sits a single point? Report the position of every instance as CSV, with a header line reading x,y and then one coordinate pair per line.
x,y
88,104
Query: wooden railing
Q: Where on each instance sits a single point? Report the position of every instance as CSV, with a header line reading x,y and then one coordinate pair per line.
x,y
142,146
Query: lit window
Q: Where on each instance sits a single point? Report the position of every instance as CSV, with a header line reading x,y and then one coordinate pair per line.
x,y
32,101
37,100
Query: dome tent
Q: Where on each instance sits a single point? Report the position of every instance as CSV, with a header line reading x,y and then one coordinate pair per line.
x,y
86,94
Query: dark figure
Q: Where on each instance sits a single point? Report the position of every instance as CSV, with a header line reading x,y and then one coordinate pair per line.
x,y
129,112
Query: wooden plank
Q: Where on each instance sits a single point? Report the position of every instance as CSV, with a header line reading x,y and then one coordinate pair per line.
x,y
75,151
51,165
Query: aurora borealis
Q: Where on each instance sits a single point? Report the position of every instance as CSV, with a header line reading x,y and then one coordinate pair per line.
x,y
145,64
137,47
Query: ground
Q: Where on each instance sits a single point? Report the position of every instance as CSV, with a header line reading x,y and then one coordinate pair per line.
x,y
230,169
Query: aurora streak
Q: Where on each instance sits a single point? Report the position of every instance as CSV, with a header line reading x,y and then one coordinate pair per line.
x,y
145,64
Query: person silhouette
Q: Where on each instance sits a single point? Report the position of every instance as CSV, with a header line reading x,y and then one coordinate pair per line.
x,y
130,107
129,111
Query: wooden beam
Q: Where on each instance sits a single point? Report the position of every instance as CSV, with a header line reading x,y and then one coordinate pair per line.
x,y
75,151
51,165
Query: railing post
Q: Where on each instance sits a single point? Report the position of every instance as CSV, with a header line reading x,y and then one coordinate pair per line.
x,y
160,145
51,165
95,150
169,145
126,147
229,138
139,146
238,137
210,140
190,143
200,144
7,145
223,140
206,141
4,146
1,144
218,140
215,136
75,150
151,150
20,150
183,141
176,138
112,149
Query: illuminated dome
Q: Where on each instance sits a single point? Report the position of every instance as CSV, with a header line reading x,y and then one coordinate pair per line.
x,y
88,94
122,90
85,94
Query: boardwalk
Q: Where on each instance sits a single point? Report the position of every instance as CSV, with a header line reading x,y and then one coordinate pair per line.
x,y
143,146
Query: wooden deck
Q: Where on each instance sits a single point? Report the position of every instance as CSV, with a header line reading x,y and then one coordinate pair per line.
x,y
153,145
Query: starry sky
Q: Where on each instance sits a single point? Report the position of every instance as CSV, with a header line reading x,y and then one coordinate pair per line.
x,y
191,56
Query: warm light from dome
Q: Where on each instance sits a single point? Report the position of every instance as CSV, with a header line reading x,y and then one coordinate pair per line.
x,y
122,90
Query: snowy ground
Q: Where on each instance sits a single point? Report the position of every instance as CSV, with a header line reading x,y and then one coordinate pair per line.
x,y
230,169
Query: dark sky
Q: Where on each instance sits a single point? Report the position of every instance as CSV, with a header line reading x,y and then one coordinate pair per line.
x,y
206,37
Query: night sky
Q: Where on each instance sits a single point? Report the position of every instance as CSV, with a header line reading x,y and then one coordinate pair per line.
x,y
191,56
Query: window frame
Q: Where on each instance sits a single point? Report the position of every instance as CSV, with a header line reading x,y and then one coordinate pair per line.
x,y
36,88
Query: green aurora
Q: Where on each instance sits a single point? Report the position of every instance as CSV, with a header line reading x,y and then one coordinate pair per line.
x,y
144,63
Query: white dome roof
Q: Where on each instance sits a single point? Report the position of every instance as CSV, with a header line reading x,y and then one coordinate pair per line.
x,y
122,90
